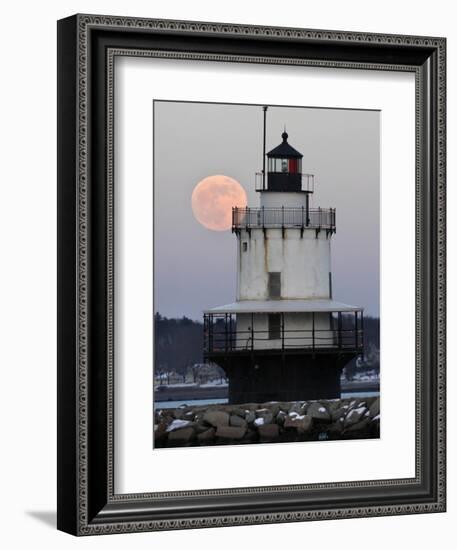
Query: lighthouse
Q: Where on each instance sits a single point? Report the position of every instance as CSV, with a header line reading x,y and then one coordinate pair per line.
x,y
284,338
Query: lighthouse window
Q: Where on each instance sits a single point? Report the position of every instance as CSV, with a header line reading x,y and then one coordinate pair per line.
x,y
274,284
291,165
274,326
245,246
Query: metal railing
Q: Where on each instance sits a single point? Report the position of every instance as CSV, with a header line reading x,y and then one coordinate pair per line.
x,y
285,217
344,334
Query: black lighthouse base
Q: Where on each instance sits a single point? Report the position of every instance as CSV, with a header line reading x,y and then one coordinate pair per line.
x,y
259,378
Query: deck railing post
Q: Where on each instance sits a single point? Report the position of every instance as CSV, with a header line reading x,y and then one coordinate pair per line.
x,y
226,332
362,335
210,332
252,331
282,330
339,329
356,330
313,332
205,337
307,209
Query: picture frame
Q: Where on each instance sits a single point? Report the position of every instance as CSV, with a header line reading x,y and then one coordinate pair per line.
x,y
87,501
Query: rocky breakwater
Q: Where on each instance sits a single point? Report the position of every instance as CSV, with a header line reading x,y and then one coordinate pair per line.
x,y
267,422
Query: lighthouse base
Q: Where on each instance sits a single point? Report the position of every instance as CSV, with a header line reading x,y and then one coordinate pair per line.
x,y
261,378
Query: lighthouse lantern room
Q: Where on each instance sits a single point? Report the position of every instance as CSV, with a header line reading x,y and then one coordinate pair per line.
x,y
284,338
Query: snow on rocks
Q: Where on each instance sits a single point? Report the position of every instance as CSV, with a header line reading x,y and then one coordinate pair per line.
x,y
301,423
317,411
267,422
354,416
177,425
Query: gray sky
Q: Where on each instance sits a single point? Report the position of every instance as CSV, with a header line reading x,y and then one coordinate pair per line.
x,y
195,268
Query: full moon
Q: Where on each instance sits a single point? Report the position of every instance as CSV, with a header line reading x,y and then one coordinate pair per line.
x,y
213,199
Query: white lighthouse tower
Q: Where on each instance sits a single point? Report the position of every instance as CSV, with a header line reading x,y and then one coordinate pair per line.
x,y
284,338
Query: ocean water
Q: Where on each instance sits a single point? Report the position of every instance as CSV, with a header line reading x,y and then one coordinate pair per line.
x,y
190,402
202,402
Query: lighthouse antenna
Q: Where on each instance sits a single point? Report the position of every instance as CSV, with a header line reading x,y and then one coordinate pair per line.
x,y
265,108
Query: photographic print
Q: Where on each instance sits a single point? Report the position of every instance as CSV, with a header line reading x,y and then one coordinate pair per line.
x,y
266,274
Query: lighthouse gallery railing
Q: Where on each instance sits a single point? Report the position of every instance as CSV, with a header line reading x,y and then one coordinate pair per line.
x,y
284,217
223,335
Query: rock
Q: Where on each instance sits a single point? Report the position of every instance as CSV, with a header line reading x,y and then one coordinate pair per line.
x,y
336,414
375,426
301,423
250,417
265,414
198,417
180,437
237,421
230,432
354,416
336,427
280,417
318,412
359,426
178,413
259,422
251,436
238,412
160,432
273,407
216,418
268,432
200,427
178,425
296,408
268,418
333,404
206,436
374,408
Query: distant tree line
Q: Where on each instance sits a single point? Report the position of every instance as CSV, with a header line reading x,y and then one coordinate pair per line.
x,y
178,345
371,331
371,358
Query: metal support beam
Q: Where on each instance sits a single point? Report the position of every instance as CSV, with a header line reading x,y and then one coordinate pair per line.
x,y
307,209
313,333
339,329
252,331
282,331
356,330
265,108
